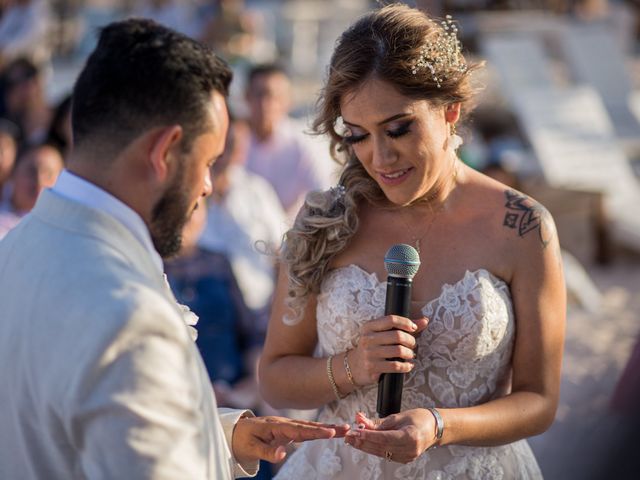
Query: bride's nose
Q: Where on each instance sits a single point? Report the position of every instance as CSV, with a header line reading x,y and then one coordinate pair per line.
x,y
383,154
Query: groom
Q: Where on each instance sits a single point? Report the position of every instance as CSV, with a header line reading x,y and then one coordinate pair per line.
x,y
100,377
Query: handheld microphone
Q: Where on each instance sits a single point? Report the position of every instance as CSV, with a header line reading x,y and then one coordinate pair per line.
x,y
401,263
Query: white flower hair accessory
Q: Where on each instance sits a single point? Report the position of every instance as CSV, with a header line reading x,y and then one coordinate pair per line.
x,y
338,192
443,56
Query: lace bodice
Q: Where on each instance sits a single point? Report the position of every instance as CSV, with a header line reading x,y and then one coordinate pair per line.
x,y
464,359
464,354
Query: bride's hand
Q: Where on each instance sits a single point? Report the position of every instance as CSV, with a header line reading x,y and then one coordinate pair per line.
x,y
401,438
382,341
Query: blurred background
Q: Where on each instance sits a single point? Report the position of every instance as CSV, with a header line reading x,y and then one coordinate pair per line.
x,y
557,116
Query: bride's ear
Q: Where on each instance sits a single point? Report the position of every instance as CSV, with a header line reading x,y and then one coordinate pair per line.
x,y
452,113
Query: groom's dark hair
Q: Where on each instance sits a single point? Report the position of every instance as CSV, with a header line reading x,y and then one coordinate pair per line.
x,y
143,75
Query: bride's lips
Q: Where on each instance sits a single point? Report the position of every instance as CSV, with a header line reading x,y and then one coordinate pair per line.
x,y
395,177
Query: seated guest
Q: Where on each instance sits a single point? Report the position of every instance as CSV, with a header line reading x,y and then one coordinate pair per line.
x,y
245,219
37,168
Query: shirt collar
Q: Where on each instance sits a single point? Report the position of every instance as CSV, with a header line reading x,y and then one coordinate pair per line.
x,y
86,193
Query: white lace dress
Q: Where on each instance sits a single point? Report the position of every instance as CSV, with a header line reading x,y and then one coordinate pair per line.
x,y
464,359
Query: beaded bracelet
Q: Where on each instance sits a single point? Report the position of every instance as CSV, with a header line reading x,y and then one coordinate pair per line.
x,y
332,380
347,369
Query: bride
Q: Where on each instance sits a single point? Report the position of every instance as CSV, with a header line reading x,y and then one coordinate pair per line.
x,y
482,349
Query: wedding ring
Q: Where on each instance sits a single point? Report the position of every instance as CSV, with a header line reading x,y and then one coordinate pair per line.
x,y
388,455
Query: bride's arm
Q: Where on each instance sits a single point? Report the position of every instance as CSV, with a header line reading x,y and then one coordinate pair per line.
x,y
290,377
539,301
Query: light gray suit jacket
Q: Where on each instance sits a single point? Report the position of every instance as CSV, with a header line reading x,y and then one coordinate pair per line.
x,y
99,377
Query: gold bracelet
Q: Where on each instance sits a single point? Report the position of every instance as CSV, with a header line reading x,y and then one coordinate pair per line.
x,y
332,380
348,369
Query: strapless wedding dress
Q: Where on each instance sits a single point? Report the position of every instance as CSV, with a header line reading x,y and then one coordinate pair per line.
x,y
464,359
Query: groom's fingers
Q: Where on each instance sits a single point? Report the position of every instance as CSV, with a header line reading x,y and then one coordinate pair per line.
x,y
291,431
270,453
339,429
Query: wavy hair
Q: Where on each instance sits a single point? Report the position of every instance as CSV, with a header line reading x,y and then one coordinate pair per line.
x,y
386,44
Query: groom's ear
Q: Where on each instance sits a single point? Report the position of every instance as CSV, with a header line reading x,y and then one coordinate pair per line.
x,y
165,142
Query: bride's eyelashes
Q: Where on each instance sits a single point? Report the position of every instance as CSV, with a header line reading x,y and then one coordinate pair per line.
x,y
353,139
403,129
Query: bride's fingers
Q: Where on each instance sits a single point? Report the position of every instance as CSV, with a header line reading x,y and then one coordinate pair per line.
x,y
370,423
366,447
395,351
389,322
394,366
394,337
383,451
421,323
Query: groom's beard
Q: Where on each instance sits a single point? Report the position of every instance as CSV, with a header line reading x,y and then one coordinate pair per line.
x,y
169,217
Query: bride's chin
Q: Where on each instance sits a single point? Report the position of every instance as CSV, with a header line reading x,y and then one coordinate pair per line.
x,y
396,201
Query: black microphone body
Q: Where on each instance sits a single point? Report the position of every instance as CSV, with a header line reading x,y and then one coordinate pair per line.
x,y
397,302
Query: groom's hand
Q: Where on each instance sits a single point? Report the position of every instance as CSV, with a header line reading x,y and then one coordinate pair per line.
x,y
265,438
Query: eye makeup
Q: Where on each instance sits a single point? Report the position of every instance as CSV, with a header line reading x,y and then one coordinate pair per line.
x,y
402,129
353,139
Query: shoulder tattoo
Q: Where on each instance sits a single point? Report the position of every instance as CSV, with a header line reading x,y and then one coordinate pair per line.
x,y
526,216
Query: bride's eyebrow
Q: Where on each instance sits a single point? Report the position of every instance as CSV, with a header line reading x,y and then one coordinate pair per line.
x,y
386,120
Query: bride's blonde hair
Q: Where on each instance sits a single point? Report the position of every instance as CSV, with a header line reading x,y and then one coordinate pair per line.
x,y
420,59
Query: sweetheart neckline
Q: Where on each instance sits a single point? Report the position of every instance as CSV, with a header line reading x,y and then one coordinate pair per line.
x,y
475,272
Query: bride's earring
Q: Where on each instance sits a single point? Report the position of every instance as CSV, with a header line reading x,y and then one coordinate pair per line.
x,y
455,141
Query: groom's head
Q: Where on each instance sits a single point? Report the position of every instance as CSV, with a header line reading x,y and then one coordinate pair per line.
x,y
149,118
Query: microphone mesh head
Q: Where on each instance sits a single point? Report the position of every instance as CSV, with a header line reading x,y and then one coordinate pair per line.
x,y
402,261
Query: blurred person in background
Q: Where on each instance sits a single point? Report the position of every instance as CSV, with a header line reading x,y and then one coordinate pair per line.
x,y
278,149
37,168
245,222
25,101
8,152
229,338
482,348
24,25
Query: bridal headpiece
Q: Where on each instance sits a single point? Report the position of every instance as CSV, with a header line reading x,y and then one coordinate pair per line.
x,y
443,55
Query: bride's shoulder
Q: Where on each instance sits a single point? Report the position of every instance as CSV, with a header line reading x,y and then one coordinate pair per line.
x,y
515,224
500,203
